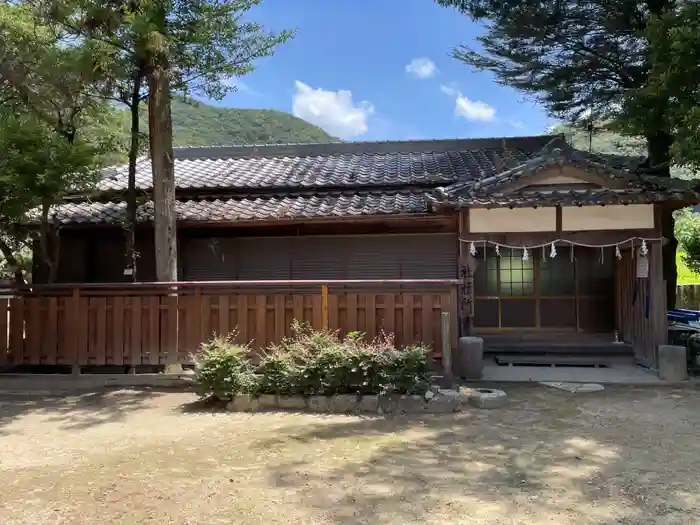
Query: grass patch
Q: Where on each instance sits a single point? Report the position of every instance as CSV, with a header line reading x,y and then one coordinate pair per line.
x,y
685,275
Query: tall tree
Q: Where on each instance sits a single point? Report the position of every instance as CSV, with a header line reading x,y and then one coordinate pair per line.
x,y
183,46
54,132
583,58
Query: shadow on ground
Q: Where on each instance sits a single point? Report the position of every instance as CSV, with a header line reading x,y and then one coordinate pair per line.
x,y
74,411
550,457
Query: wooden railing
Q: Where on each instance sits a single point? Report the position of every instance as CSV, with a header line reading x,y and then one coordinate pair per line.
x,y
165,323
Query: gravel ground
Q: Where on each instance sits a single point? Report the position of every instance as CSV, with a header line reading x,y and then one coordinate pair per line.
x,y
621,456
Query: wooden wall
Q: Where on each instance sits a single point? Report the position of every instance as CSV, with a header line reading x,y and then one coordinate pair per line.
x,y
642,305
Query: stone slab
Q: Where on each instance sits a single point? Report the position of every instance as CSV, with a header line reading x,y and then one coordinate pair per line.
x,y
487,398
673,363
576,388
291,402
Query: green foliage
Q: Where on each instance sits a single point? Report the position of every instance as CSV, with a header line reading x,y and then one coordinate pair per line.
x,y
633,65
223,369
313,362
198,124
688,235
674,41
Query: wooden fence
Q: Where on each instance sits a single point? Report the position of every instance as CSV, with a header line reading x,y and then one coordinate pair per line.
x,y
688,296
158,323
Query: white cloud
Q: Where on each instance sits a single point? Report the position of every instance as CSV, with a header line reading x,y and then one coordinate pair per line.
x,y
421,68
449,90
517,124
333,111
474,110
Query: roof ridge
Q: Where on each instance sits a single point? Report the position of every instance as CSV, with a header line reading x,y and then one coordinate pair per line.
x,y
305,149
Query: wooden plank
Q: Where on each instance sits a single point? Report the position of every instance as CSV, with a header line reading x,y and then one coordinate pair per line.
x,y
260,321
118,330
154,330
206,331
50,333
99,351
194,320
82,335
75,327
407,335
33,331
280,319
370,316
172,324
298,307
389,314
351,312
333,312
136,344
317,312
224,315
427,320
242,318
17,313
4,332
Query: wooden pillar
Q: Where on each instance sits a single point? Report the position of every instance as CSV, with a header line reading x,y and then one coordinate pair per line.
x,y
324,306
657,299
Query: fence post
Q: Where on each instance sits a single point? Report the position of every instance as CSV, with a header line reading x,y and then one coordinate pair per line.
x,y
324,305
75,330
447,379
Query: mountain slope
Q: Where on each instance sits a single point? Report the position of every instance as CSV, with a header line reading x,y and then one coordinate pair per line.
x,y
199,124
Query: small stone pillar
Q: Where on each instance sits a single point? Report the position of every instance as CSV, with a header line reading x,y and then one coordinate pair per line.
x,y
469,359
673,363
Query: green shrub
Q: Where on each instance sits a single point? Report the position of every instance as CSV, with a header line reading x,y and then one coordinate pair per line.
x,y
315,362
223,369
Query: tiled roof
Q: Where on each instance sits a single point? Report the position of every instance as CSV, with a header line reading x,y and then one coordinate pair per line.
x,y
352,164
574,197
369,178
628,185
251,208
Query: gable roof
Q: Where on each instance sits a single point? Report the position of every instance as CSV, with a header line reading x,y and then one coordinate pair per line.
x,y
302,181
607,179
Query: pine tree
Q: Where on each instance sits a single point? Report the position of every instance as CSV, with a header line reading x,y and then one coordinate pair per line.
x,y
585,58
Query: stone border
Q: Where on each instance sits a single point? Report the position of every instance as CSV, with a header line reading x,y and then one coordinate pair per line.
x,y
437,401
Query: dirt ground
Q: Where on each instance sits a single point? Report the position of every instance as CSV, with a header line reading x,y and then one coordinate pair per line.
x,y
621,456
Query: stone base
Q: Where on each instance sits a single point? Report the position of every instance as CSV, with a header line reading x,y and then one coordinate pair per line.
x,y
673,363
487,398
437,402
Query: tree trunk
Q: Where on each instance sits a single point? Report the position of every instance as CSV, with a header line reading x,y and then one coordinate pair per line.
x,y
12,261
659,146
131,254
161,144
49,242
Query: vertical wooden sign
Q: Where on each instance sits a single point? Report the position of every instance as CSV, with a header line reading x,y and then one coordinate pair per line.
x,y
467,267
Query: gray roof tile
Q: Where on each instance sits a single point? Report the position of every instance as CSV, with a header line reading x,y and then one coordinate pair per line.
x,y
251,208
353,164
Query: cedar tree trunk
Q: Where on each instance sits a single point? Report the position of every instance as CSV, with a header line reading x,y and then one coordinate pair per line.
x,y
161,144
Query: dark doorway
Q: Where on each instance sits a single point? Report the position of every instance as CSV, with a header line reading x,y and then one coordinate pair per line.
x,y
545,293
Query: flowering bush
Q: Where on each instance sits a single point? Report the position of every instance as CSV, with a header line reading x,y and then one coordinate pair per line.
x,y
316,362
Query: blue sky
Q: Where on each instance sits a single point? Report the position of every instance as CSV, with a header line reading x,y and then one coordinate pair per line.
x,y
381,70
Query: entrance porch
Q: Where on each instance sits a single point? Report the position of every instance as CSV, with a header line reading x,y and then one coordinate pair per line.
x,y
582,308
